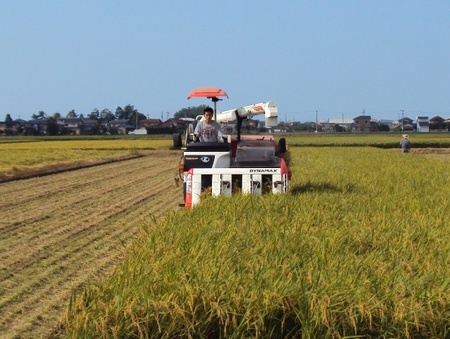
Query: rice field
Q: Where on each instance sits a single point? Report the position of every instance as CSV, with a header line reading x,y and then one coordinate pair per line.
x,y
359,248
32,155
381,140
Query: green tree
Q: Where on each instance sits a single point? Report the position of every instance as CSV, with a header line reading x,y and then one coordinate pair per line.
x,y
384,128
52,127
119,113
94,115
96,130
298,126
129,112
190,112
8,120
72,114
40,116
338,128
56,115
19,130
136,117
107,115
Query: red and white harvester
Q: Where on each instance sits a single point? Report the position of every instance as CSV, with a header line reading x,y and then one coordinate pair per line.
x,y
247,164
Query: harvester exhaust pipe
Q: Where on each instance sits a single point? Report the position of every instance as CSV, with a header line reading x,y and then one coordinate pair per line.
x,y
239,120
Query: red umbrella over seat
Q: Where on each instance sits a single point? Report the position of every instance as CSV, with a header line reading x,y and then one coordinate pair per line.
x,y
207,92
212,93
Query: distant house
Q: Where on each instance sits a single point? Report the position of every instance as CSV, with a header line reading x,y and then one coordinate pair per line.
x,y
423,124
90,126
363,123
22,127
386,122
341,121
406,124
405,121
251,123
437,123
150,123
36,126
346,124
20,121
447,124
3,127
386,125
122,126
174,125
72,125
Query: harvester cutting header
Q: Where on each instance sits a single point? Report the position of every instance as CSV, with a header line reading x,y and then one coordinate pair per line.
x,y
254,164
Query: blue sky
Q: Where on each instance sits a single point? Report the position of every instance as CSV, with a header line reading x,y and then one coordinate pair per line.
x,y
340,58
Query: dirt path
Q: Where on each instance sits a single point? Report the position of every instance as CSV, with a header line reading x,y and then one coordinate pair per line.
x,y
61,231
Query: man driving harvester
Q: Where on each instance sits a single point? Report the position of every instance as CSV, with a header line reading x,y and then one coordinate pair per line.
x,y
208,130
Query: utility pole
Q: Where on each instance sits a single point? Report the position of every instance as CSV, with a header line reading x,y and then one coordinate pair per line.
x,y
403,114
317,122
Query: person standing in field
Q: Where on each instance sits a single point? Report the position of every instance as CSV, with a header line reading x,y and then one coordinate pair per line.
x,y
208,130
405,144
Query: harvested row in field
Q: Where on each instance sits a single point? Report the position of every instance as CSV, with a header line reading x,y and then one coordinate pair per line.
x,y
61,231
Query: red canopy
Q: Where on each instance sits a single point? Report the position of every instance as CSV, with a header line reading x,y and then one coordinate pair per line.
x,y
207,92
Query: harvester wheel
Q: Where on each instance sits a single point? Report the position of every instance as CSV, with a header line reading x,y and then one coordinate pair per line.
x,y
177,143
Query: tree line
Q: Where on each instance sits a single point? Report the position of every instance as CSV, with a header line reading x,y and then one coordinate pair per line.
x,y
129,112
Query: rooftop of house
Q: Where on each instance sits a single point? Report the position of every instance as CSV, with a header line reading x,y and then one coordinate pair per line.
x,y
363,117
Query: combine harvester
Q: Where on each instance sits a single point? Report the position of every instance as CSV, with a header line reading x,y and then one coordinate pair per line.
x,y
248,164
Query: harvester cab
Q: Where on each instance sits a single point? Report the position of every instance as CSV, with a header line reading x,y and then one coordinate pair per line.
x,y
248,164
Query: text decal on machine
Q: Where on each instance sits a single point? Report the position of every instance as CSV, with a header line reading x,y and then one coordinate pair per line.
x,y
264,170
